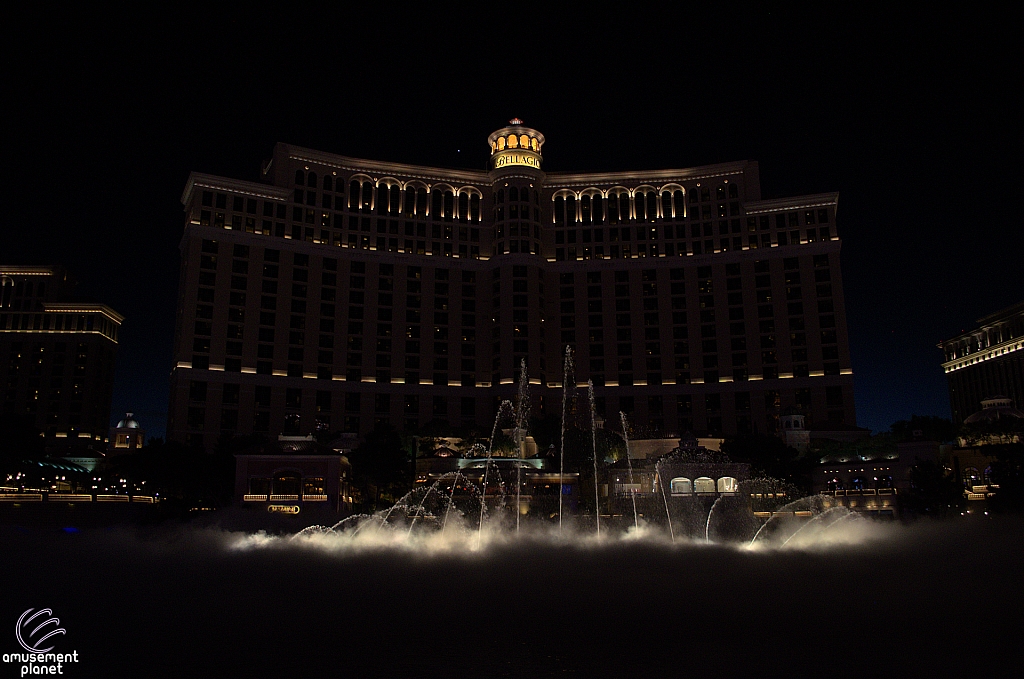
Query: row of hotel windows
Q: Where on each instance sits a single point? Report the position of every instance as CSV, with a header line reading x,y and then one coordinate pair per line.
x,y
58,322
356,299
353,404
531,246
677,231
322,400
642,204
21,294
446,206
366,196
628,250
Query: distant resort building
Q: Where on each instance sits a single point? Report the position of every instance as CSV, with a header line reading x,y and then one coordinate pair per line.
x,y
127,437
56,356
985,361
293,475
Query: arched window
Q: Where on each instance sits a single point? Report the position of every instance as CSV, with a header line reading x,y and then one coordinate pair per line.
x,y
666,205
560,210
463,207
585,214
734,191
652,205
681,486
597,207
704,484
300,177
410,201
501,143
972,477
501,196
680,205
328,183
353,194
311,180
394,198
383,196
570,210
728,484
513,194
513,141
624,214
474,208
524,141
421,201
449,206
533,143
436,204
367,197
720,192
613,208
641,207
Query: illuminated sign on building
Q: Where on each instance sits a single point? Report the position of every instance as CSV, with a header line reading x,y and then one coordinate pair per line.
x,y
283,509
506,158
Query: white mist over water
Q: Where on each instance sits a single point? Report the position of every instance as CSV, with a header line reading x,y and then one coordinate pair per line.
x,y
184,600
835,528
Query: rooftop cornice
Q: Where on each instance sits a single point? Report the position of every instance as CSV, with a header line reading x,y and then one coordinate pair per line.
x,y
382,167
80,307
567,179
19,270
792,203
210,181
988,353
986,323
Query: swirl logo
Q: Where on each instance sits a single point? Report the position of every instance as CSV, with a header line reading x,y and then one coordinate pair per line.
x,y
32,630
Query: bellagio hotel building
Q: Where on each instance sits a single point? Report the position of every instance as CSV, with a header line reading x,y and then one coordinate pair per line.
x,y
336,293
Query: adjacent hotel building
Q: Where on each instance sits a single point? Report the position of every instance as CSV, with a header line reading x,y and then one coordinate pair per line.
x,y
56,355
986,362
335,293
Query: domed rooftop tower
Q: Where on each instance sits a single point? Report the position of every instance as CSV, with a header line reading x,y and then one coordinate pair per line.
x,y
127,437
516,179
515,146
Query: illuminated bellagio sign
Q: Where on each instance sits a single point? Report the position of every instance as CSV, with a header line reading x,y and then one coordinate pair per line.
x,y
283,509
506,158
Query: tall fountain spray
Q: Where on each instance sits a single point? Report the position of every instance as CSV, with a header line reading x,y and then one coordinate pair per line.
x,y
504,407
522,420
632,488
568,373
664,498
593,438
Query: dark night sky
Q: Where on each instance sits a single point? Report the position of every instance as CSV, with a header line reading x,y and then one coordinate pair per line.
x,y
906,115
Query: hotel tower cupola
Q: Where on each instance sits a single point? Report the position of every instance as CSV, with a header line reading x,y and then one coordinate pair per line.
x,y
515,147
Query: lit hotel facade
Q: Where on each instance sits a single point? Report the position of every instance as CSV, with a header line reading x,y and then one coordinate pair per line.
x,y
338,293
57,356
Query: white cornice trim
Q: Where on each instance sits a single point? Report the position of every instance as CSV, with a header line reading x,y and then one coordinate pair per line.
x,y
77,307
210,181
559,180
986,354
383,168
792,203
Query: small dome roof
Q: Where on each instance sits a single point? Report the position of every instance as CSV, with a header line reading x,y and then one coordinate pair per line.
x,y
128,422
994,408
